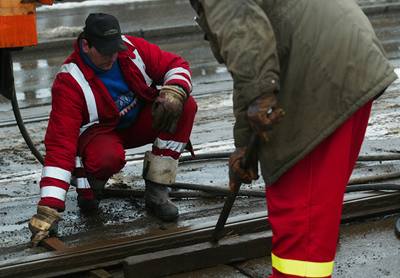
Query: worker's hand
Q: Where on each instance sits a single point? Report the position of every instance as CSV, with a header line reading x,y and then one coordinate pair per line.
x,y
42,223
262,113
167,108
237,174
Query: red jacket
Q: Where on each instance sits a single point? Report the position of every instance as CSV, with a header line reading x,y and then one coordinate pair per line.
x,y
82,107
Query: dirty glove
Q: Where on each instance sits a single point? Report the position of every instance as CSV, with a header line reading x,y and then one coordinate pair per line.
x,y
237,173
167,108
42,223
262,113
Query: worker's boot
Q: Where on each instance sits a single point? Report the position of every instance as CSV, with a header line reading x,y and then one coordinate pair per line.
x,y
158,202
159,172
89,198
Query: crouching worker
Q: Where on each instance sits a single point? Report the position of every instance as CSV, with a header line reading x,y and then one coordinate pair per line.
x,y
105,100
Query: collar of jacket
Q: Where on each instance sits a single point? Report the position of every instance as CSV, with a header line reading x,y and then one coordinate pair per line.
x,y
86,69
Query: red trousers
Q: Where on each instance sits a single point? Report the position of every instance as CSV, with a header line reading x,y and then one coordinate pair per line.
x,y
305,204
105,154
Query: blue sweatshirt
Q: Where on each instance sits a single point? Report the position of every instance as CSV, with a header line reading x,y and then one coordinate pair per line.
x,y
126,101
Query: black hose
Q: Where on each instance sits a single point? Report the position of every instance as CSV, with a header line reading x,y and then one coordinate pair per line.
x,y
381,157
376,178
372,186
225,155
20,122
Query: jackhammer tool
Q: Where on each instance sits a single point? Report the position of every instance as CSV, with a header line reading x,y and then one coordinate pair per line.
x,y
245,163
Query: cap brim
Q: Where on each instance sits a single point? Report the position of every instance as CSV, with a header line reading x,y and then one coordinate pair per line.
x,y
108,47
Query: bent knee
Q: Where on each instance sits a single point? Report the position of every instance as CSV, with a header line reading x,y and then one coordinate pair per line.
x,y
106,163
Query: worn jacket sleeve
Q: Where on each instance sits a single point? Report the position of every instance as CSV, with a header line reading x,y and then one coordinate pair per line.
x,y
241,35
163,67
61,141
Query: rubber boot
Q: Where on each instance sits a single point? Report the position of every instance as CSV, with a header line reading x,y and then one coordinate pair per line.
x,y
90,202
87,205
158,203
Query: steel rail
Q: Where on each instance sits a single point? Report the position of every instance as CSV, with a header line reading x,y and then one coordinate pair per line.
x,y
112,252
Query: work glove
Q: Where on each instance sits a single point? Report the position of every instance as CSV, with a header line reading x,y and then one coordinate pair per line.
x,y
43,223
168,107
262,113
239,173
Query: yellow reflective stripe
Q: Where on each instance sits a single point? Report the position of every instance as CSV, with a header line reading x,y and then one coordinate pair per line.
x,y
302,268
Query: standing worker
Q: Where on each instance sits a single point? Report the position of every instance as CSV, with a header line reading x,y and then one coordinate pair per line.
x,y
17,30
321,62
112,93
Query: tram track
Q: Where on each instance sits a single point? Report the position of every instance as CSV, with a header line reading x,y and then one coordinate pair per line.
x,y
112,253
247,229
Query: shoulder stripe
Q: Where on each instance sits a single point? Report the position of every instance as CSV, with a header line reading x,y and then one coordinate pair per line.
x,y
77,74
138,61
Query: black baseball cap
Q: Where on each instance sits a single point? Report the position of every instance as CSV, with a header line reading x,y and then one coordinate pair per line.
x,y
103,32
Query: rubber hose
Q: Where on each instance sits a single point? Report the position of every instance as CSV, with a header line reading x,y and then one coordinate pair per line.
x,y
20,122
372,186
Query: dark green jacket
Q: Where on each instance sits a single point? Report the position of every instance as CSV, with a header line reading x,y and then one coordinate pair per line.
x,y
322,55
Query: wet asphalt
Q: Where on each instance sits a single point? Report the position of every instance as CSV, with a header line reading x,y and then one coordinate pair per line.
x,y
367,249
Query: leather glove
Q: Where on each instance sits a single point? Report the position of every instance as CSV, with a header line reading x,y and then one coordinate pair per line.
x,y
42,223
262,113
167,108
237,173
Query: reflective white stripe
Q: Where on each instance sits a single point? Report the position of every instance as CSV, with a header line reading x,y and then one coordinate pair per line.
x,y
142,67
86,126
82,183
77,74
56,173
78,162
180,77
53,192
125,39
174,71
170,145
138,61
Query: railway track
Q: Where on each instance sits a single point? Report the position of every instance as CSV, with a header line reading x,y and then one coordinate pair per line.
x,y
250,231
119,253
